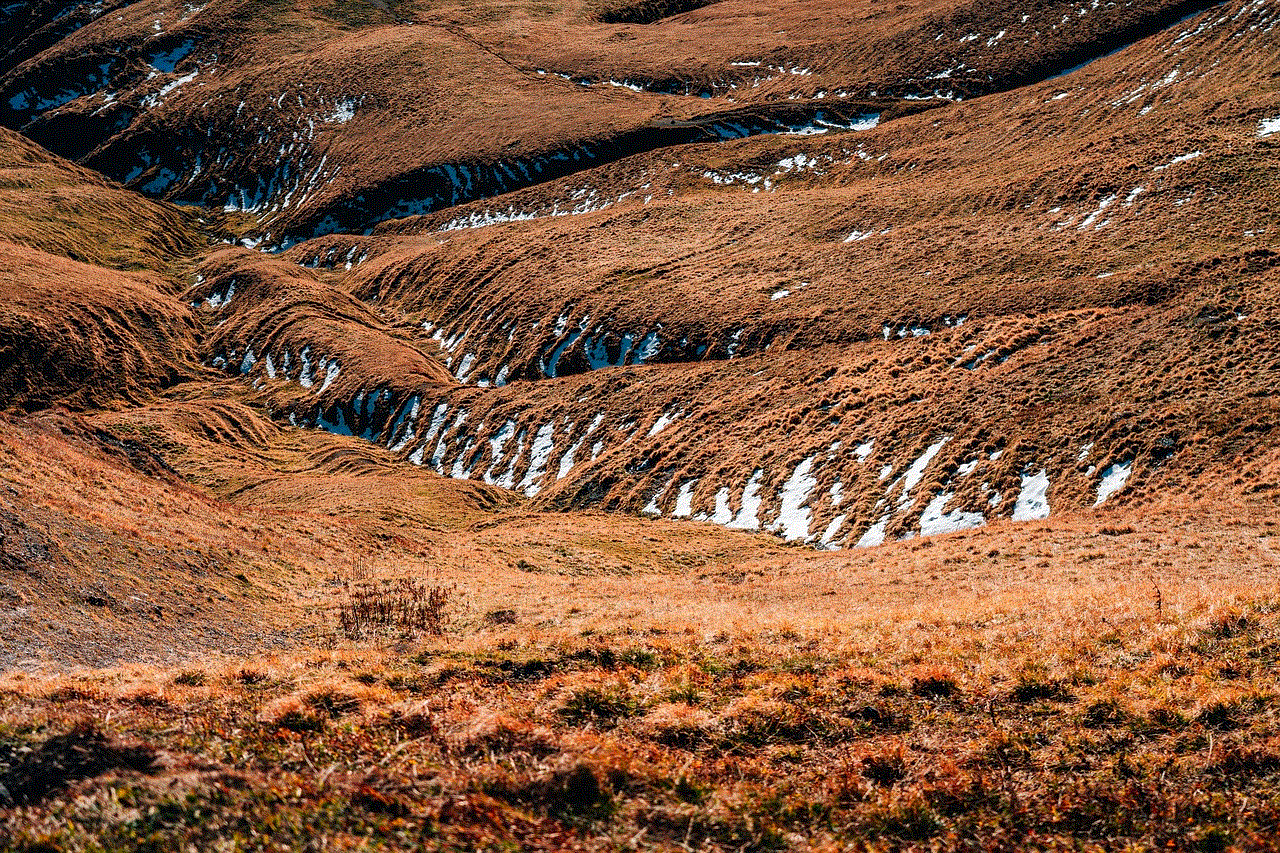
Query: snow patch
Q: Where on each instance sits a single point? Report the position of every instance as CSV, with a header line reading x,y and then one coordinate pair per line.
x,y
793,516
1033,502
1113,480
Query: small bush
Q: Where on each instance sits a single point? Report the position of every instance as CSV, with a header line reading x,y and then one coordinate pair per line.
x,y
250,677
1230,623
500,617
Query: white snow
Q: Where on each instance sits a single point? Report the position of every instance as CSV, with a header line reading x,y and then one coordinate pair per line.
x,y
652,508
1113,480
664,420
304,378
496,442
875,533
747,518
684,500
1185,158
722,515
934,521
343,112
780,294
538,456
793,516
863,451
218,300
1268,127
916,472
330,374
1093,217
1032,501
830,533
464,367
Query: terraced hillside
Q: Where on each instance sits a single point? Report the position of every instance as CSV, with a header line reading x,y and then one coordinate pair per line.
x,y
681,326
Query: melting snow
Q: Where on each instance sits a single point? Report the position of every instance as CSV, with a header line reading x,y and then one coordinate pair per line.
x,y
652,508
933,521
1185,158
747,518
1032,502
1113,480
1093,217
496,443
538,456
330,374
664,420
875,534
916,472
684,500
830,533
793,516
722,514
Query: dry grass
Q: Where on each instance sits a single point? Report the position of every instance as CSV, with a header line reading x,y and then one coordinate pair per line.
x,y
1086,721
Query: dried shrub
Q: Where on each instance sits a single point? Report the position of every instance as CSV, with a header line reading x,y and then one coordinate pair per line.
x,y
403,605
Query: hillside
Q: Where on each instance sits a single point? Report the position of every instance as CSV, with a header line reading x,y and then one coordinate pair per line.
x,y
639,425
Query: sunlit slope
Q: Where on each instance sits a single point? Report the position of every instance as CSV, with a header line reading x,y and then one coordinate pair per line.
x,y
1038,301
331,117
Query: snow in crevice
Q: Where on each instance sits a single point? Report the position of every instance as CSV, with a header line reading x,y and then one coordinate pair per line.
x,y
1268,127
652,508
827,540
934,521
539,454
1114,478
748,516
875,533
794,517
1096,214
497,442
402,432
684,500
1033,502
1185,158
664,420
723,514
915,473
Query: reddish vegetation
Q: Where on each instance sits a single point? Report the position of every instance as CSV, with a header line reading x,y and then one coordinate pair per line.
x,y
385,481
